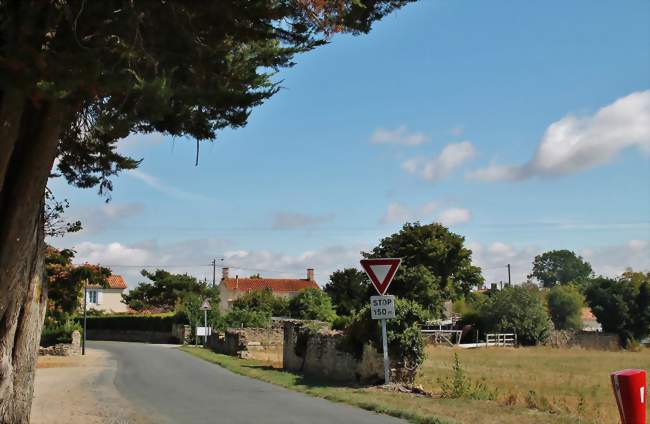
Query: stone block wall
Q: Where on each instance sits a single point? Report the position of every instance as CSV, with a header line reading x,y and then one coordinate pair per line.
x,y
584,339
64,349
322,358
182,333
263,344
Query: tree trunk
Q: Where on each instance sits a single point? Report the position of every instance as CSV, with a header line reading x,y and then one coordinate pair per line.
x,y
28,147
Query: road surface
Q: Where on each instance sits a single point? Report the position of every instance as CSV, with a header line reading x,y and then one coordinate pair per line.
x,y
171,386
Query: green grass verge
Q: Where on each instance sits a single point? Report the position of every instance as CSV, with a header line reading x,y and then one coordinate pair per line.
x,y
361,397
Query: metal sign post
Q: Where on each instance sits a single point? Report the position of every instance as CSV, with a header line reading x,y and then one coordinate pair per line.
x,y
83,341
381,272
205,307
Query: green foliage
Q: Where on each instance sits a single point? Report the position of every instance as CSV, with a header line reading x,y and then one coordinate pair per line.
x,y
518,309
560,267
65,282
621,307
157,322
435,265
405,341
165,290
59,332
237,318
349,290
312,304
263,300
565,305
459,386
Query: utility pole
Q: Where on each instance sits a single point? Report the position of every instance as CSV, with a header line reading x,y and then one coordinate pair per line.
x,y
509,280
214,272
83,344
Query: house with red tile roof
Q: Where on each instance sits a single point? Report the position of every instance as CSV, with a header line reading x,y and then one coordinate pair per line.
x,y
231,289
108,299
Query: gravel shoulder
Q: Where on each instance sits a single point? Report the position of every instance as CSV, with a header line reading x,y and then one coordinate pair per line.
x,y
81,389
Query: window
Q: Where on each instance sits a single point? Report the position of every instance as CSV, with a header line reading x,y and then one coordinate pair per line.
x,y
92,296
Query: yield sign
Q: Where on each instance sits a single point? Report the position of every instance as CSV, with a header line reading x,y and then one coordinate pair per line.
x,y
381,271
206,305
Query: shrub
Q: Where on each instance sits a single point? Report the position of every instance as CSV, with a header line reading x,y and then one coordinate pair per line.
x,y
312,304
263,300
518,309
244,318
54,333
565,307
458,386
157,322
405,341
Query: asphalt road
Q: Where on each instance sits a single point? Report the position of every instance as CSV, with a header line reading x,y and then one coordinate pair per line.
x,y
171,386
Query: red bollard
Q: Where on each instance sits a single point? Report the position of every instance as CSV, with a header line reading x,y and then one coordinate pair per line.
x,y
631,392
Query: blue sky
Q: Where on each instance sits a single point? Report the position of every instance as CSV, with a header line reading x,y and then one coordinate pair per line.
x,y
524,126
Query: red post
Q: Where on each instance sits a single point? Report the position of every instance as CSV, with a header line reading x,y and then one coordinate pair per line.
x,y
631,392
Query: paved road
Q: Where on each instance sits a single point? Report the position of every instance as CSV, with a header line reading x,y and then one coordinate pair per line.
x,y
174,387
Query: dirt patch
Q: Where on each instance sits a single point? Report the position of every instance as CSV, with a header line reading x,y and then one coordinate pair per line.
x,y
80,389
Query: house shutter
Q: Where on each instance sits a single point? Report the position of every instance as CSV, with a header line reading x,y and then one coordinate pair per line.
x,y
100,296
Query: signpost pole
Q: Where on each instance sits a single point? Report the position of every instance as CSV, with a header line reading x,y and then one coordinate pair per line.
x,y
205,320
83,342
385,346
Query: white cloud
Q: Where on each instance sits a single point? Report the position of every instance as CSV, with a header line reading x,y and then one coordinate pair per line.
x,y
295,220
574,143
400,135
441,166
399,213
454,216
613,260
162,187
95,220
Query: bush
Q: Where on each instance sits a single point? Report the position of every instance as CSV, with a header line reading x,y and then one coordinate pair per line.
x,y
518,309
157,322
263,300
565,307
458,386
312,304
58,332
244,318
405,341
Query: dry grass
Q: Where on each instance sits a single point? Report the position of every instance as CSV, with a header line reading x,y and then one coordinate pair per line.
x,y
561,382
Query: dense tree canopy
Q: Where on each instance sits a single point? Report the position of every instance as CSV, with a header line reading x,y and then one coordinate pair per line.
x,y
349,290
565,305
621,306
560,267
312,303
436,265
165,290
263,300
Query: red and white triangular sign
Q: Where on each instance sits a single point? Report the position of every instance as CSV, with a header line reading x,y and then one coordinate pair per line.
x,y
381,271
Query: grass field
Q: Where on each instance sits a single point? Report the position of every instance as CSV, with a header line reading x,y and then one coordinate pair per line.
x,y
533,385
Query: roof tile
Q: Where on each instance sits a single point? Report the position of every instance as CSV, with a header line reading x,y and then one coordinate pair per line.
x,y
275,284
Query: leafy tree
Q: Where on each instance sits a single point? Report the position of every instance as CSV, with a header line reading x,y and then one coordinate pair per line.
x,y
77,76
621,307
263,300
560,267
635,277
518,309
165,290
435,264
565,305
312,303
405,341
349,290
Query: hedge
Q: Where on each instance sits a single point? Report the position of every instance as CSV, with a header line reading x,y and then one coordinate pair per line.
x,y
162,323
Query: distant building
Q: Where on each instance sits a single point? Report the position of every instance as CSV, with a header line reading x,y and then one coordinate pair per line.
x,y
589,321
230,289
108,299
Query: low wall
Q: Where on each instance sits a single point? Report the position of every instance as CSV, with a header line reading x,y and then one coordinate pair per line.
x,y
263,344
584,339
64,349
131,336
182,333
319,356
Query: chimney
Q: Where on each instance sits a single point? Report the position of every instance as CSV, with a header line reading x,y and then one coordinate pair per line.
x,y
225,273
236,282
310,274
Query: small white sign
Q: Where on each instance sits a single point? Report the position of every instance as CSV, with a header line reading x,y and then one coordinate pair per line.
x,y
382,307
203,331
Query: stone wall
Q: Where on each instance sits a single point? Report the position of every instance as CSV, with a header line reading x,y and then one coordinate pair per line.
x,y
182,333
319,356
263,344
64,349
584,339
131,336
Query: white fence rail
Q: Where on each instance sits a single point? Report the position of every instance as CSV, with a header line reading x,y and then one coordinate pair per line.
x,y
501,339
